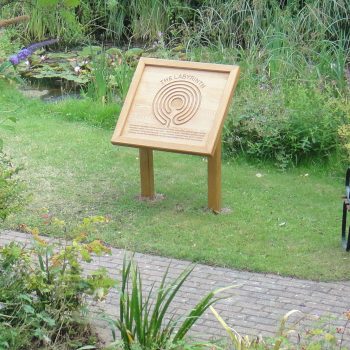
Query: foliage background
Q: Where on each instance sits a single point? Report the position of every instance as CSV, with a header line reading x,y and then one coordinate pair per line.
x,y
294,57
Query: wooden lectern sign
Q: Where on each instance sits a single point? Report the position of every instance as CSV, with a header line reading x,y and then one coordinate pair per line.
x,y
177,106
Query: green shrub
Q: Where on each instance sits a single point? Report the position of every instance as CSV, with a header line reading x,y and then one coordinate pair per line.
x,y
43,289
11,194
11,188
344,131
344,134
286,124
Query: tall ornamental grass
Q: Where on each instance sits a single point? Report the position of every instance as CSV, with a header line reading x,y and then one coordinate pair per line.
x,y
229,23
146,320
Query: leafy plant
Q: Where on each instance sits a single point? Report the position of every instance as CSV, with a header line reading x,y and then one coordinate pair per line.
x,y
9,43
147,324
110,77
43,289
7,72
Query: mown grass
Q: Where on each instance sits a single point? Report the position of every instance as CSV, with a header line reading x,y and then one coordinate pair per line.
x,y
286,223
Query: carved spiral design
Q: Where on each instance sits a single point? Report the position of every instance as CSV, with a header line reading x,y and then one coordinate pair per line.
x,y
176,102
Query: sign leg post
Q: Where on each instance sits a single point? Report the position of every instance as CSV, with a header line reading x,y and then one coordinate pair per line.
x,y
146,172
214,180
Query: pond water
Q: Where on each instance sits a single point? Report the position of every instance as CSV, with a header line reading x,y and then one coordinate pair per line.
x,y
51,90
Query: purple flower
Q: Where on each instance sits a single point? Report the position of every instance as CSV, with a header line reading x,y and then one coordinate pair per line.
x,y
14,60
26,52
36,46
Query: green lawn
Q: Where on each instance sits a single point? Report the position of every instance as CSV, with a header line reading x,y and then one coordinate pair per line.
x,y
286,223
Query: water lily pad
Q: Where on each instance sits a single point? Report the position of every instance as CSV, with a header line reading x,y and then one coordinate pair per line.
x,y
90,51
133,53
114,51
49,74
62,55
71,3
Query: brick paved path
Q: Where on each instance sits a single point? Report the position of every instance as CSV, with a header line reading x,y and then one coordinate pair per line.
x,y
254,307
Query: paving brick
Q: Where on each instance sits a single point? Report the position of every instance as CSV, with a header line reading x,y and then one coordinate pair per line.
x,y
254,306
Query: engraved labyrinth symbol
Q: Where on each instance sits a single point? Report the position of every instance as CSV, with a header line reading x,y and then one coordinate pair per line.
x,y
176,102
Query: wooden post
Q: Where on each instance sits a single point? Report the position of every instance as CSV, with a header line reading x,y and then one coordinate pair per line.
x,y
146,172
214,179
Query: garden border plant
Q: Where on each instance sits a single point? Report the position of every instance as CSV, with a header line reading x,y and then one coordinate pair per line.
x,y
43,289
12,197
147,324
